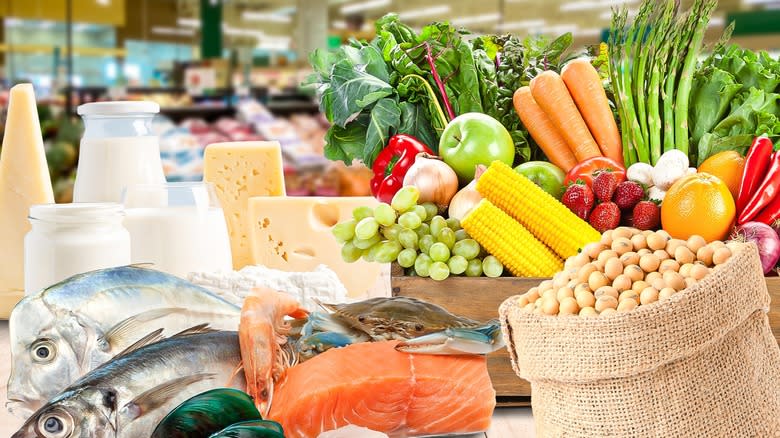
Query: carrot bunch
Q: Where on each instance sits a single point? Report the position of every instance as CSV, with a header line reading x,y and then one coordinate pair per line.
x,y
568,115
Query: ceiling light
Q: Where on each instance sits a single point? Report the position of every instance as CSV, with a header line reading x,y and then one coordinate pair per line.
x,y
475,19
560,28
584,5
163,30
267,17
424,12
339,24
525,24
363,6
188,22
759,2
13,22
103,2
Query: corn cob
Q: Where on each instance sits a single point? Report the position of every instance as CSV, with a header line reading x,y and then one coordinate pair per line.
x,y
543,215
510,242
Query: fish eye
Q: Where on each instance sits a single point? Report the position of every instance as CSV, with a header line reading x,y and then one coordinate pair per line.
x,y
43,351
361,318
54,426
419,327
264,394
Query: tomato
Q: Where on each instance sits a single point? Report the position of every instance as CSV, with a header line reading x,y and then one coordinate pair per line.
x,y
588,169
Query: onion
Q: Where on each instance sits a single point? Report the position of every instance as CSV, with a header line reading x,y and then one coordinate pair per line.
x,y
436,181
467,197
765,237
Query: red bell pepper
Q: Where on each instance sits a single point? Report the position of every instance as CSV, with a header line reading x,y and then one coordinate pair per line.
x,y
765,193
588,169
756,163
392,163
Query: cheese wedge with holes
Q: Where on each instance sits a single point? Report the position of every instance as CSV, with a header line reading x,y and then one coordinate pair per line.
x,y
293,234
239,171
24,181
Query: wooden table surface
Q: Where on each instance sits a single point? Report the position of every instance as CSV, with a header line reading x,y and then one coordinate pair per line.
x,y
507,422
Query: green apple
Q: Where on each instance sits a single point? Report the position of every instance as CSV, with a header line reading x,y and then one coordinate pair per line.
x,y
475,138
546,175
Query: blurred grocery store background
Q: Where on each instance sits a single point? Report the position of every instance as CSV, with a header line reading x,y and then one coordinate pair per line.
x,y
230,69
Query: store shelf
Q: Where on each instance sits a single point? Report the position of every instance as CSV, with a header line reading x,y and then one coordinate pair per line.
x,y
287,107
208,113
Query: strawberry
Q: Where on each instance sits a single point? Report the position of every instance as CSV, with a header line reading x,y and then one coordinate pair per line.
x,y
579,198
628,194
647,215
606,216
604,185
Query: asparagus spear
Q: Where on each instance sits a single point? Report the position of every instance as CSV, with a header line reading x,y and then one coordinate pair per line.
x,y
662,45
670,82
616,41
701,15
631,50
640,57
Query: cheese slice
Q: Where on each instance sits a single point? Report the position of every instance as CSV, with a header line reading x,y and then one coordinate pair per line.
x,y
239,171
293,234
24,181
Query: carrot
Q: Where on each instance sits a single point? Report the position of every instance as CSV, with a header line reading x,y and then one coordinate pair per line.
x,y
551,94
542,130
584,84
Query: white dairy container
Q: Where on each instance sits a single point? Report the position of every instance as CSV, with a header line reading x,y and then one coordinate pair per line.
x,y
177,227
117,150
70,239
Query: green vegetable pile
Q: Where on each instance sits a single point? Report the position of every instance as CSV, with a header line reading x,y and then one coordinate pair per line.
x,y
401,82
734,98
404,82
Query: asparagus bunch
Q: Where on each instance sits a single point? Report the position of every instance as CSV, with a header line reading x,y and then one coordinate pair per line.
x,y
652,61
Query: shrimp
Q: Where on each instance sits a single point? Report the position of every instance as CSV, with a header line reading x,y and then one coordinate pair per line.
x,y
262,332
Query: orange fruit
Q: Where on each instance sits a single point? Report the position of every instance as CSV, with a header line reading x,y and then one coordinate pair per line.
x,y
699,203
727,166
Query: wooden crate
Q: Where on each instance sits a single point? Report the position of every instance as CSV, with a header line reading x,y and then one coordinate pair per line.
x,y
479,299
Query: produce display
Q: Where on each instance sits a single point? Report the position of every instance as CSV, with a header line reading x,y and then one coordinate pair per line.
x,y
626,269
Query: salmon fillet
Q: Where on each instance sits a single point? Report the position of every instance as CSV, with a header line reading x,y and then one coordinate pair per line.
x,y
372,385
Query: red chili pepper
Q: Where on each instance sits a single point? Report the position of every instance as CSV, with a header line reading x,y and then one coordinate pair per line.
x,y
392,163
756,163
588,169
771,213
766,192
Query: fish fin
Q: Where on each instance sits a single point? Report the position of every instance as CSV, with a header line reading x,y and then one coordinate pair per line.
x,y
325,306
118,334
154,398
151,338
198,329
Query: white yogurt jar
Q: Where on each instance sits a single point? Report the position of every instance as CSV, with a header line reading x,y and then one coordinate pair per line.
x,y
69,239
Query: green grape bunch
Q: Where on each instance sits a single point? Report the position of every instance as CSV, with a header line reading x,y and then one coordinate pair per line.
x,y
416,237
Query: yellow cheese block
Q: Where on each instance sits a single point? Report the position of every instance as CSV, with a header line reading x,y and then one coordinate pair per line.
x,y
239,171
293,234
24,181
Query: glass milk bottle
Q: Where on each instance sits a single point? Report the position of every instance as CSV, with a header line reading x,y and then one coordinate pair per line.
x,y
117,150
69,239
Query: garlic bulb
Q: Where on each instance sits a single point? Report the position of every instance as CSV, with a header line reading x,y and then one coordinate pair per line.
x,y
436,181
467,198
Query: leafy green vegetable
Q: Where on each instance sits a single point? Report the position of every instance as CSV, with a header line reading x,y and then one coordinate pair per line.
x,y
397,83
733,100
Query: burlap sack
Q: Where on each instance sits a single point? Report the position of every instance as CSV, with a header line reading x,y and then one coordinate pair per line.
x,y
701,364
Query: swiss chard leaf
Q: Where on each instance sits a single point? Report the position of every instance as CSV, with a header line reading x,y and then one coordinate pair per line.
x,y
384,120
346,144
415,122
353,90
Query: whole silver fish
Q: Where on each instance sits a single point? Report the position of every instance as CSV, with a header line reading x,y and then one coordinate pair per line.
x,y
68,329
128,396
